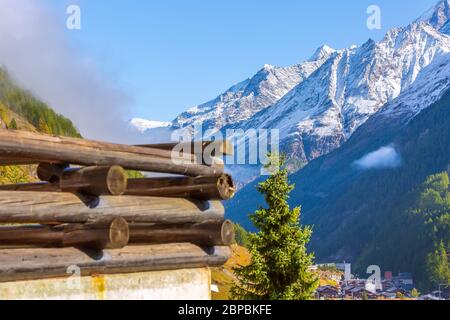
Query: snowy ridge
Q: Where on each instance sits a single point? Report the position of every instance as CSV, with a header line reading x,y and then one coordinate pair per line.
x,y
317,105
323,111
437,16
143,125
242,101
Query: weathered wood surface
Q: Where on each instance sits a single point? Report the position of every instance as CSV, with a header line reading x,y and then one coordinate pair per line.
x,y
95,181
38,263
57,207
37,187
207,233
45,148
203,188
212,148
101,234
108,181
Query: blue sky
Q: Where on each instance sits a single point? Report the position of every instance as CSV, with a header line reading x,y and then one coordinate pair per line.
x,y
172,54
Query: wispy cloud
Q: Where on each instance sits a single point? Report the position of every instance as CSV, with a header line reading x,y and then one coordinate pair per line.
x,y
35,50
384,158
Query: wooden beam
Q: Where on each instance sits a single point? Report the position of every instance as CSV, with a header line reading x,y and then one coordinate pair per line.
x,y
38,187
203,188
16,162
101,234
200,188
207,233
45,148
37,263
95,181
213,148
57,207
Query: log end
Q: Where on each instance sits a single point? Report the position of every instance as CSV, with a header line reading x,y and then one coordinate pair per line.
x,y
119,234
227,233
226,187
116,180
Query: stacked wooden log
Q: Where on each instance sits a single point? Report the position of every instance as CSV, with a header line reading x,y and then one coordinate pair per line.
x,y
85,200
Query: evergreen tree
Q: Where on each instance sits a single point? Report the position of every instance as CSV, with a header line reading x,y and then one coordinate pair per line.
x,y
279,258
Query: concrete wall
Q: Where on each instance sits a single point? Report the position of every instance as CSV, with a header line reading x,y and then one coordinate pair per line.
x,y
187,284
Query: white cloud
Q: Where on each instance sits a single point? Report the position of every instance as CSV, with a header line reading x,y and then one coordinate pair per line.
x,y
384,158
35,50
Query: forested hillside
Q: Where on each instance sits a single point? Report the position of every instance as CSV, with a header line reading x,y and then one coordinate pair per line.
x,y
396,218
19,109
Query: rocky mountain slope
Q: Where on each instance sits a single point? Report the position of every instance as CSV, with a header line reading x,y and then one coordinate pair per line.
x,y
243,100
318,105
323,111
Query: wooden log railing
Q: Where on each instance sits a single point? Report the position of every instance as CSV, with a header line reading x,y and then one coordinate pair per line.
x,y
57,207
99,235
41,263
112,181
95,207
203,188
207,233
44,148
117,233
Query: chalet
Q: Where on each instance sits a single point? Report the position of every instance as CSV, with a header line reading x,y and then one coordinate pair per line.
x,y
328,292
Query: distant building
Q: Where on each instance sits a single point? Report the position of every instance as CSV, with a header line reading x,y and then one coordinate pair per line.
x,y
404,281
328,292
388,275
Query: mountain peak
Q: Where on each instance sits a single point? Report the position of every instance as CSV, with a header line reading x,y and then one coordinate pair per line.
x,y
322,52
268,67
438,15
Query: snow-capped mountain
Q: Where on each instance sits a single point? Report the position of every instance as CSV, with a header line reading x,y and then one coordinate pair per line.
x,y
317,105
243,100
438,16
353,84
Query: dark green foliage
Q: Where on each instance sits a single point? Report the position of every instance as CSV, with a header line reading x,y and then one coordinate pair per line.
x,y
242,236
279,259
438,266
34,111
431,224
